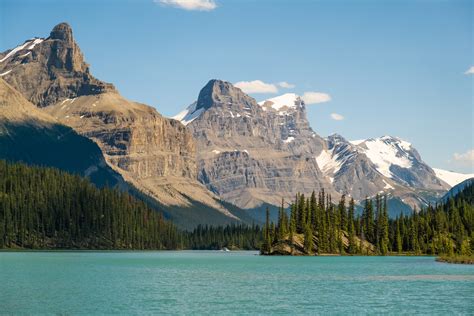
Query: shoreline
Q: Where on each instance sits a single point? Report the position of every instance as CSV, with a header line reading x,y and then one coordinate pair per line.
x,y
456,259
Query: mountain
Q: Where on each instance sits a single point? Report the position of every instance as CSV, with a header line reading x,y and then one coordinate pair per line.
x,y
253,153
350,171
249,153
399,160
153,153
29,135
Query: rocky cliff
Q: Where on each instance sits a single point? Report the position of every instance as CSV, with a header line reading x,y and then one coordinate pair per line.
x,y
250,154
29,135
47,70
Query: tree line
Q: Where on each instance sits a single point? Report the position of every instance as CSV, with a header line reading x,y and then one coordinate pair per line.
x,y
45,208
235,236
48,208
336,228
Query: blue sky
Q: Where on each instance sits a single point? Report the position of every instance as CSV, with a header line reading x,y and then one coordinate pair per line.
x,y
389,67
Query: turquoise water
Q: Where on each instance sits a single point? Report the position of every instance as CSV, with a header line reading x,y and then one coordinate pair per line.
x,y
205,282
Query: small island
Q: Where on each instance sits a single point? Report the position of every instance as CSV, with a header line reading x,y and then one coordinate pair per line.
x,y
317,226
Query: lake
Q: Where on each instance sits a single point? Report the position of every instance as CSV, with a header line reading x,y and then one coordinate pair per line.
x,y
212,282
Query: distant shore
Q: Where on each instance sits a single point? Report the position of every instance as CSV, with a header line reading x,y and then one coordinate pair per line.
x,y
456,259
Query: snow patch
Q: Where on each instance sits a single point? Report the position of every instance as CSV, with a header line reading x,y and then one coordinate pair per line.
x,y
24,55
26,45
384,152
13,51
35,42
327,163
5,73
357,142
282,103
189,114
217,152
289,139
387,185
452,178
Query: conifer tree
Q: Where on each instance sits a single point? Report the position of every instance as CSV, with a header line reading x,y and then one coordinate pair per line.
x,y
308,240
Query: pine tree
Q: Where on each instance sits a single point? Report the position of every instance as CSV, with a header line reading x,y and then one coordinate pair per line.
x,y
351,229
308,240
399,243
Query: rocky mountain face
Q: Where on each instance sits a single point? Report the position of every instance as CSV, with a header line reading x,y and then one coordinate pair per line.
x,y
387,164
251,154
47,70
349,170
29,135
154,153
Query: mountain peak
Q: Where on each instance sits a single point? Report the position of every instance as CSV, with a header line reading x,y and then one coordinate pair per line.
x,y
62,31
55,69
218,92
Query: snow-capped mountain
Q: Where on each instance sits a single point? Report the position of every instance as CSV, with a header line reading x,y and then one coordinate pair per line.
x,y
251,153
398,160
350,171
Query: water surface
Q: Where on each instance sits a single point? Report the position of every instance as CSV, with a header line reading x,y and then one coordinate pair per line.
x,y
206,282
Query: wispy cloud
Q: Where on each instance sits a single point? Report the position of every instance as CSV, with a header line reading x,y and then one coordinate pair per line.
x,y
315,97
256,86
337,117
286,85
190,5
467,157
470,71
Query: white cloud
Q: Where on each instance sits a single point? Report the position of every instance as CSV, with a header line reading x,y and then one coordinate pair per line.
x,y
256,86
337,117
315,97
286,85
190,5
467,157
470,71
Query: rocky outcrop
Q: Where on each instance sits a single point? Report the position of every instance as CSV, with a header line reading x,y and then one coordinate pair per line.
x,y
250,154
294,246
